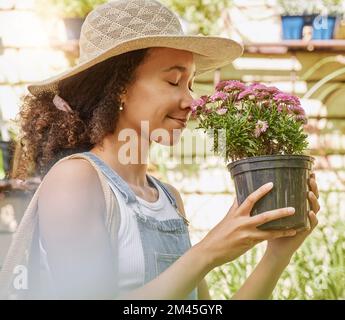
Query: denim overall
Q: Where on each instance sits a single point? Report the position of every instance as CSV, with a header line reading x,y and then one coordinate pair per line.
x,y
163,242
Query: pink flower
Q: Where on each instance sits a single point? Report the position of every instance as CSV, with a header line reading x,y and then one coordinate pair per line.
x,y
261,126
280,107
234,86
299,113
219,96
258,87
297,110
221,111
205,98
286,98
199,105
262,95
246,93
272,90
221,84
262,87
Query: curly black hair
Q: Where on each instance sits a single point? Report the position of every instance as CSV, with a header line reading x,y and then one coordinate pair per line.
x,y
48,134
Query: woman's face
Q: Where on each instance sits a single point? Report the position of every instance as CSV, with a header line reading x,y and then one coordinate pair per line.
x,y
160,96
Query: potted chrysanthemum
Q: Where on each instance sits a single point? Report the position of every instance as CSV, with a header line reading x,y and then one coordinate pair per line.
x,y
259,132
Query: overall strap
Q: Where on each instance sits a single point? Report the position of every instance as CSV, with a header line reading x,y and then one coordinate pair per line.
x,y
127,192
172,197
121,184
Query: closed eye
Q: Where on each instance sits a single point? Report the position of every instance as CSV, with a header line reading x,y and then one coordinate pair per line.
x,y
176,85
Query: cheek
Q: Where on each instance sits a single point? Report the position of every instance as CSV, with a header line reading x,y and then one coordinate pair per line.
x,y
152,102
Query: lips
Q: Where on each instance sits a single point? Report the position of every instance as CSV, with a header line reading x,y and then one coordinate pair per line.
x,y
181,121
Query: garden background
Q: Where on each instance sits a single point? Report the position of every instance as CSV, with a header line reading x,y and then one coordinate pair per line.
x,y
35,43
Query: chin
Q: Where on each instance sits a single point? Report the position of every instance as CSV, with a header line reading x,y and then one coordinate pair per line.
x,y
169,140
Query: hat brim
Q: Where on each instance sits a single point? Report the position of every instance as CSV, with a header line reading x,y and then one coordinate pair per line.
x,y
209,52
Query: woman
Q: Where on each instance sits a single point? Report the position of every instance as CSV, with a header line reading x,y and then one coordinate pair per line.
x,y
133,83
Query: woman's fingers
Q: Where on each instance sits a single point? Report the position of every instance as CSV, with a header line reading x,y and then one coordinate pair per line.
x,y
233,208
313,202
234,205
248,204
313,185
268,216
274,234
313,220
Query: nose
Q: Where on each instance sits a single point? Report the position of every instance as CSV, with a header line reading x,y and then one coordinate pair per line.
x,y
187,101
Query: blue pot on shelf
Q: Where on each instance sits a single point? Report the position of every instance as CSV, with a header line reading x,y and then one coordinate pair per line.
x,y
292,27
323,27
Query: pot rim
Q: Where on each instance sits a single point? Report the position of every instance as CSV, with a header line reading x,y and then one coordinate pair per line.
x,y
270,157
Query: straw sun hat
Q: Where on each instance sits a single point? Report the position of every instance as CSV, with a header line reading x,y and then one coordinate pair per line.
x,y
121,26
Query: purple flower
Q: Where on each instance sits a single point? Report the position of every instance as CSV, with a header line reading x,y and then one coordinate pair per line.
x,y
220,86
263,92
205,98
197,104
262,95
219,96
261,126
234,86
297,110
246,93
286,99
258,87
272,90
221,111
280,107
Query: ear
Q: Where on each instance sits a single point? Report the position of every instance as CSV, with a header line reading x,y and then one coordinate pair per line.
x,y
123,98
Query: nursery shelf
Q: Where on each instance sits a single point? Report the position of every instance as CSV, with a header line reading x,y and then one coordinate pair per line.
x,y
72,46
285,46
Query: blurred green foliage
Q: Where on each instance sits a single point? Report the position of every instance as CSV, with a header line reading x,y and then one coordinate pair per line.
x,y
68,8
203,16
316,271
297,7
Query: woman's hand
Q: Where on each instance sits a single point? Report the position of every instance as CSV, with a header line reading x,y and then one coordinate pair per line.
x,y
238,232
284,248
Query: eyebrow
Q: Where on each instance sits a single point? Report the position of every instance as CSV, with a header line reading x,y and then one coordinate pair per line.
x,y
179,68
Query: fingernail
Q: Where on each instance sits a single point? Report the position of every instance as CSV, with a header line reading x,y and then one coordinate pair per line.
x,y
269,185
291,210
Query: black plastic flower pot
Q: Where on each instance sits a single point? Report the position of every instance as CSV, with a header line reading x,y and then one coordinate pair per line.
x,y
289,174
